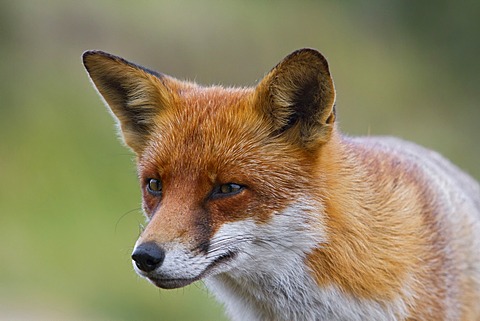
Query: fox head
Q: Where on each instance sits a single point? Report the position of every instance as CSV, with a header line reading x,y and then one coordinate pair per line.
x,y
226,173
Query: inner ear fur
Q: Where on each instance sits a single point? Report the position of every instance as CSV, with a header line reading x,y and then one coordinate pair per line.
x,y
298,97
133,93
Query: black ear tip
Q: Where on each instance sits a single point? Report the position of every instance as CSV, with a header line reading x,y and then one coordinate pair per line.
x,y
309,54
89,54
306,50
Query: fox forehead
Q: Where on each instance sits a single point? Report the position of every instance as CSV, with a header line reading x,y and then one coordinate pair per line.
x,y
206,129
199,117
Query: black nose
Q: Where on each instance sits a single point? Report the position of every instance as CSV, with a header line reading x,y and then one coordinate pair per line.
x,y
148,256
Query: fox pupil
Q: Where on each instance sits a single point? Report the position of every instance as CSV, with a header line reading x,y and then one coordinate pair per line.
x,y
229,188
154,186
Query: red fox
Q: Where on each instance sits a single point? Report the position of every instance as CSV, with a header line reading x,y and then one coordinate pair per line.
x,y
256,192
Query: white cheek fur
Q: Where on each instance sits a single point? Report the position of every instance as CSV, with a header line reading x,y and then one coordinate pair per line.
x,y
270,281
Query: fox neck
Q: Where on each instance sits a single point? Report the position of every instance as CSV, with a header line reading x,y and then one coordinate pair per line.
x,y
265,295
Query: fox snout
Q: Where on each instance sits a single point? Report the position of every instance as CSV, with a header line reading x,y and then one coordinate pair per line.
x,y
164,266
179,262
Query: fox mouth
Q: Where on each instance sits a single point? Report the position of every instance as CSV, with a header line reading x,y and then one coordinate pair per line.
x,y
174,283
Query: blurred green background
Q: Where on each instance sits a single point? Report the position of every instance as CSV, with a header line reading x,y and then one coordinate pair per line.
x,y
69,200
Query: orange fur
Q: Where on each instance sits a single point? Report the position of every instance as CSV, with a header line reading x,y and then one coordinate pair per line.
x,y
395,227
370,255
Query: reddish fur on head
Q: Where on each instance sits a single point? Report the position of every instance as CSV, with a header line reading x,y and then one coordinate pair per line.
x,y
194,138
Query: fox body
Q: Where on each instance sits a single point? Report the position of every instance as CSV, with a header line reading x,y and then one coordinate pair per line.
x,y
256,192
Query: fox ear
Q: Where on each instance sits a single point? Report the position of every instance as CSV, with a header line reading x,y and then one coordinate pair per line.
x,y
298,98
134,94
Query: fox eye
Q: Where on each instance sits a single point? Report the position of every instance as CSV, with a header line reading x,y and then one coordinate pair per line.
x,y
227,190
154,186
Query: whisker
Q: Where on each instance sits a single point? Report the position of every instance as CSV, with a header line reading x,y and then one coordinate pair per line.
x,y
141,228
124,215
223,244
